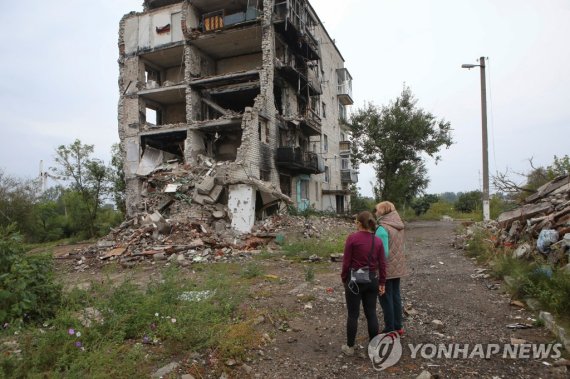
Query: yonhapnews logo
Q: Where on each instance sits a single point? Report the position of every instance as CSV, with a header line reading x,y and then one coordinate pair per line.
x,y
385,350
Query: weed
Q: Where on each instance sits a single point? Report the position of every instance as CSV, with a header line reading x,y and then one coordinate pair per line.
x,y
302,249
133,320
309,274
251,270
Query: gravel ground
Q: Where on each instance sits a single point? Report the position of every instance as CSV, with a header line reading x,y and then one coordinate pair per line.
x,y
306,340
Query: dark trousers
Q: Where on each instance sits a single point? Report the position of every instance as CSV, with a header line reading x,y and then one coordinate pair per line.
x,y
391,303
367,294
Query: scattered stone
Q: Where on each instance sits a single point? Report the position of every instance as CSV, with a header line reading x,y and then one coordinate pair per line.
x,y
518,341
533,304
90,316
163,371
522,251
231,362
187,376
517,303
159,257
438,325
562,362
424,375
336,257
247,369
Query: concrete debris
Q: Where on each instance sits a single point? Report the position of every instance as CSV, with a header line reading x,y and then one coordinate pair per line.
x,y
162,372
438,325
538,227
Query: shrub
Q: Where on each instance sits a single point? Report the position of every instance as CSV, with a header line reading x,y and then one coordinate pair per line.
x,y
27,288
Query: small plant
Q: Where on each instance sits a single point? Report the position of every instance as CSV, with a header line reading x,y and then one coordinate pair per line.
x,y
309,274
28,291
252,270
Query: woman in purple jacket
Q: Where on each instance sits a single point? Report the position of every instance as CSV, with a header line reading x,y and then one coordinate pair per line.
x,y
362,249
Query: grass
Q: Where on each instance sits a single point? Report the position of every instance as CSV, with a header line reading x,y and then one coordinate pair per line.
x,y
142,329
528,278
303,248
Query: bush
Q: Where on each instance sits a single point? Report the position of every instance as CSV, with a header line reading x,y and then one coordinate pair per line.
x,y
27,288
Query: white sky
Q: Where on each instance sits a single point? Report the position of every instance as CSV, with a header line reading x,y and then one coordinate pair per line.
x,y
59,72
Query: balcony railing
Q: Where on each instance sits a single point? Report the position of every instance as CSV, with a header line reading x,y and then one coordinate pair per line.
x,y
344,86
348,176
344,147
297,160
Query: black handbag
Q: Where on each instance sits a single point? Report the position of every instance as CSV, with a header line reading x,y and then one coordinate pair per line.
x,y
362,275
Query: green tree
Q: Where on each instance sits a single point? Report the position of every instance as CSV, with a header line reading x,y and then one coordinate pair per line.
x,y
421,205
469,201
17,199
27,287
560,166
87,176
359,203
395,139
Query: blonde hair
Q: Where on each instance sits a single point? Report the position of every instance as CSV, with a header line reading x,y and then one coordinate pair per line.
x,y
385,207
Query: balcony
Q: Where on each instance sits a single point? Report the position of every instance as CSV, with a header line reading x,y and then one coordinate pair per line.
x,y
348,176
344,147
300,162
344,86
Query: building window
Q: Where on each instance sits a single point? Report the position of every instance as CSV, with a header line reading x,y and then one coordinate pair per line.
x,y
342,137
342,112
345,164
327,174
325,143
324,107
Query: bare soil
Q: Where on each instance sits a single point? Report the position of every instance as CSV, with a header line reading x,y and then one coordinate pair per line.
x,y
304,321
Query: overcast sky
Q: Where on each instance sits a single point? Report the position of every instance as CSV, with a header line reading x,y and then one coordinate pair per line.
x,y
59,75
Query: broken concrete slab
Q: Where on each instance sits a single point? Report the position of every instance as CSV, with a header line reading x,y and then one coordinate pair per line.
x,y
206,185
524,212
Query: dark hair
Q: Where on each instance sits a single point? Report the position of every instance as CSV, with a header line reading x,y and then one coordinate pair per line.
x,y
366,219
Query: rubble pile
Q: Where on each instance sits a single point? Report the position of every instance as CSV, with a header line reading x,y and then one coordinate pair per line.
x,y
183,219
541,225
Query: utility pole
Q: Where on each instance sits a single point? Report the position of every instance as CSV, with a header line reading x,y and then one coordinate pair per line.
x,y
486,207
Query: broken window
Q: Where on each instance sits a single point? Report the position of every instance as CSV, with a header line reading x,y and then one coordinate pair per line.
x,y
171,142
325,143
151,77
153,116
327,174
222,146
285,184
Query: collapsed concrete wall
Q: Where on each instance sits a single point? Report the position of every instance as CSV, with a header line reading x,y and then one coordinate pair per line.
x,y
232,91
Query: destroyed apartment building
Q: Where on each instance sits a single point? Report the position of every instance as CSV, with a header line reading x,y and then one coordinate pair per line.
x,y
232,106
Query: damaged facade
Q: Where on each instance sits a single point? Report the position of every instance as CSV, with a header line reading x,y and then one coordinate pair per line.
x,y
233,105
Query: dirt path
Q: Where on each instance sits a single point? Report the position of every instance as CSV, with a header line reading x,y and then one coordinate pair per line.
x,y
310,326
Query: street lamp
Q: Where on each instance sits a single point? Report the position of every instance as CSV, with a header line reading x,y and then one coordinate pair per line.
x,y
486,210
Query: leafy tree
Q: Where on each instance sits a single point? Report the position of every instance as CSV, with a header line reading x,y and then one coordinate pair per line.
x,y
17,199
560,166
449,197
469,201
88,176
118,183
359,203
27,287
420,205
395,138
